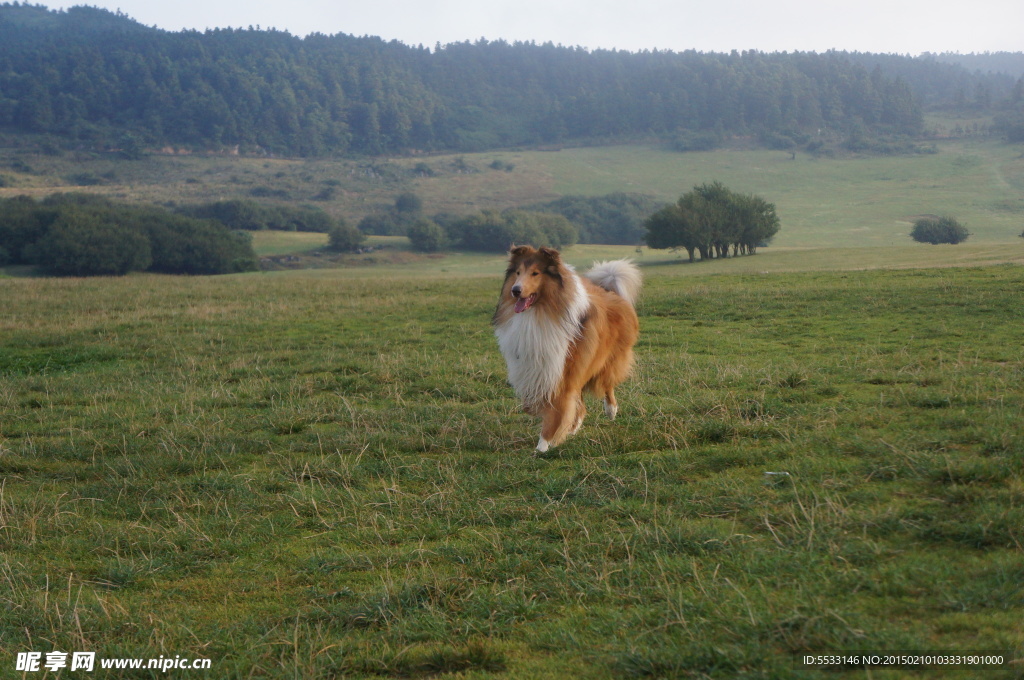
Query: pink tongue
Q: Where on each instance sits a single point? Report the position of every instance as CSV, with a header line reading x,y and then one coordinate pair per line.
x,y
522,304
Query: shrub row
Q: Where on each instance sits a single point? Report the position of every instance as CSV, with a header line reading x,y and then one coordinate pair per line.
x,y
86,235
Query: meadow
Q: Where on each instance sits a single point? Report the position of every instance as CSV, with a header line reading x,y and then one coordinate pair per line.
x,y
324,473
844,201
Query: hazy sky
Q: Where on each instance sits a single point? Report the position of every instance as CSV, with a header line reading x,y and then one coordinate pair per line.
x,y
895,26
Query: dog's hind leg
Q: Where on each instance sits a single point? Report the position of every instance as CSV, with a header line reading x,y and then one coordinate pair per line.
x,y
609,378
611,407
581,413
604,389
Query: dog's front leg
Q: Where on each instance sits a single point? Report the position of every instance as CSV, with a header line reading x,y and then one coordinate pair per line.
x,y
559,418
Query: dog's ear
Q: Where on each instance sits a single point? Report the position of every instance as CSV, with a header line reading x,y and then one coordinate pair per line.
x,y
552,255
554,265
516,251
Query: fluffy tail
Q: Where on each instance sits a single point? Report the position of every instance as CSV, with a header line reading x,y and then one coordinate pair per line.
x,y
618,276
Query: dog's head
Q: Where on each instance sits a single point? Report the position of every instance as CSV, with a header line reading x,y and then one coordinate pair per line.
x,y
530,270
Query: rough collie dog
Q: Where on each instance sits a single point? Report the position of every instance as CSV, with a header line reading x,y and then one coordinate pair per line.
x,y
562,333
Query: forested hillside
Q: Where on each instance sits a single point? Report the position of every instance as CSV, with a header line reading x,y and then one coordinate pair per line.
x,y
105,80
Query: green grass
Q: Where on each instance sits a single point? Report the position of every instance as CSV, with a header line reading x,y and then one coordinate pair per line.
x,y
869,201
324,474
394,257
267,243
851,201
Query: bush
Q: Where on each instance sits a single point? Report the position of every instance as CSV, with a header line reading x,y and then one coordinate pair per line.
x,y
85,243
306,219
253,216
408,203
1011,125
616,218
22,223
82,235
234,214
394,220
181,245
494,231
380,224
691,140
426,236
937,230
344,237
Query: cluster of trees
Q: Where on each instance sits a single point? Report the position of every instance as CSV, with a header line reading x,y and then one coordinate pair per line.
x,y
496,230
952,82
936,230
710,220
487,231
101,77
1011,124
616,218
394,220
246,215
85,235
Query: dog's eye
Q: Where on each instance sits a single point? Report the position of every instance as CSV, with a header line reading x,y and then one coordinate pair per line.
x,y
535,274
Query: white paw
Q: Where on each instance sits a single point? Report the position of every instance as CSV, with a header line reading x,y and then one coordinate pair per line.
x,y
611,410
542,445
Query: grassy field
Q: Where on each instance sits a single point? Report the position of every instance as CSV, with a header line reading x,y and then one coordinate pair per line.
x,y
324,474
854,201
267,243
393,257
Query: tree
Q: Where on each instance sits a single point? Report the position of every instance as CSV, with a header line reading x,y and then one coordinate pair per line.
x,y
394,220
712,208
22,223
670,228
426,236
555,230
83,243
758,223
234,213
495,231
935,230
83,235
182,245
344,236
488,231
409,203
380,223
610,219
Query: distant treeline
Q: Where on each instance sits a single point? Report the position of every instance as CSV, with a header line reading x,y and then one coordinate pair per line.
x,y
106,80
1008,63
616,218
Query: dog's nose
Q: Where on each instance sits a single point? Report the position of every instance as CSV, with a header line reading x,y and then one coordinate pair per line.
x,y
517,290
